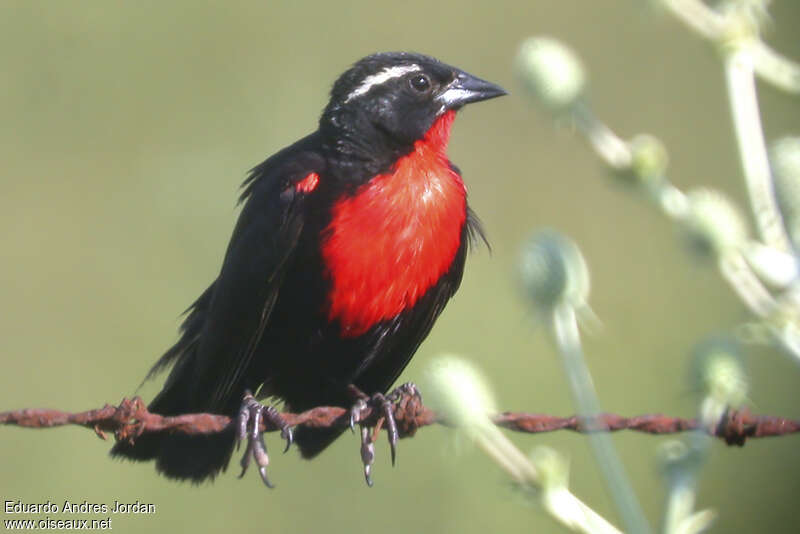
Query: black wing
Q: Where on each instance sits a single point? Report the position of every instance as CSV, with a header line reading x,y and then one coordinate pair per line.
x,y
226,323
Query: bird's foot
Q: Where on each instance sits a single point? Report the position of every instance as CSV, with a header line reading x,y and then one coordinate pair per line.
x,y
248,426
385,406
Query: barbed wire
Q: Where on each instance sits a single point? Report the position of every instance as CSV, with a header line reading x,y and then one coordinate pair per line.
x,y
130,419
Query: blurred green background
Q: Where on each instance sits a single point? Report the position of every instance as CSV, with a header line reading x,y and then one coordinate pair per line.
x,y
125,129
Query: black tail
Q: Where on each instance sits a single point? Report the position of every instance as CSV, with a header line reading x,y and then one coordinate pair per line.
x,y
179,456
312,441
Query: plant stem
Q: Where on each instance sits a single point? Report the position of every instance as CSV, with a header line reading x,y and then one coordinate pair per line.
x,y
752,149
565,328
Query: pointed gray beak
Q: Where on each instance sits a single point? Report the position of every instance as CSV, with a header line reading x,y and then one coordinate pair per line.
x,y
466,89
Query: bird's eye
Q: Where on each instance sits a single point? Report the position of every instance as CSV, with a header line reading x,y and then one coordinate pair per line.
x,y
420,83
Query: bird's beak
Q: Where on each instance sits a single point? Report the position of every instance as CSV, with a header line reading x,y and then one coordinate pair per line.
x,y
466,89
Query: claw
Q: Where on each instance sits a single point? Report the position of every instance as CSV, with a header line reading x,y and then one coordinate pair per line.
x,y
251,415
389,421
386,404
262,460
273,416
243,418
245,461
367,454
257,448
391,429
288,435
355,413
263,472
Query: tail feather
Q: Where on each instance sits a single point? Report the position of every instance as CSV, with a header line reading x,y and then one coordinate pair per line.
x,y
195,458
145,448
179,456
312,441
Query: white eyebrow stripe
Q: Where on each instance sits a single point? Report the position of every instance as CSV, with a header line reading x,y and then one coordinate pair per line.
x,y
381,77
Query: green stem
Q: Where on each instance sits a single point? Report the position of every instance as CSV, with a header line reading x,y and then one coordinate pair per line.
x,y
752,149
565,328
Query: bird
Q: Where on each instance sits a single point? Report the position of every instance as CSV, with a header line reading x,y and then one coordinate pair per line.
x,y
349,244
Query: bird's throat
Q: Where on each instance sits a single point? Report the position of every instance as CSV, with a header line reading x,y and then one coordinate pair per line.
x,y
396,236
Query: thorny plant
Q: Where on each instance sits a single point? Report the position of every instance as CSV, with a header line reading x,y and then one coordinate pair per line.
x,y
763,272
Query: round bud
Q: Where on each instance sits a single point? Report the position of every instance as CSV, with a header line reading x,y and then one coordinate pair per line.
x,y
649,159
553,271
713,223
459,392
785,160
718,371
551,72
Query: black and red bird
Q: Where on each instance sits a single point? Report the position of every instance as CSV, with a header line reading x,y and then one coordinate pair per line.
x,y
349,245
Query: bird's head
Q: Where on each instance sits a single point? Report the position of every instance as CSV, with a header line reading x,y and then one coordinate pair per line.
x,y
393,98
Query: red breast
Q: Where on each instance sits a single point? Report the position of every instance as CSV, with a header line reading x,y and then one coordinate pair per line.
x,y
391,241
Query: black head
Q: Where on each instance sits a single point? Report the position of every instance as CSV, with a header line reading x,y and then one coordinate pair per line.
x,y
389,100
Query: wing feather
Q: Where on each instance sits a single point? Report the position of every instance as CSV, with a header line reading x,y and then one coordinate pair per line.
x,y
225,325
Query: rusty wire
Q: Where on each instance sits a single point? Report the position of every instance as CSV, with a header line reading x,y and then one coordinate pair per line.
x,y
131,419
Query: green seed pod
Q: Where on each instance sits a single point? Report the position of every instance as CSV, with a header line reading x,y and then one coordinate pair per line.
x,y
649,159
713,223
459,391
553,271
718,371
550,72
